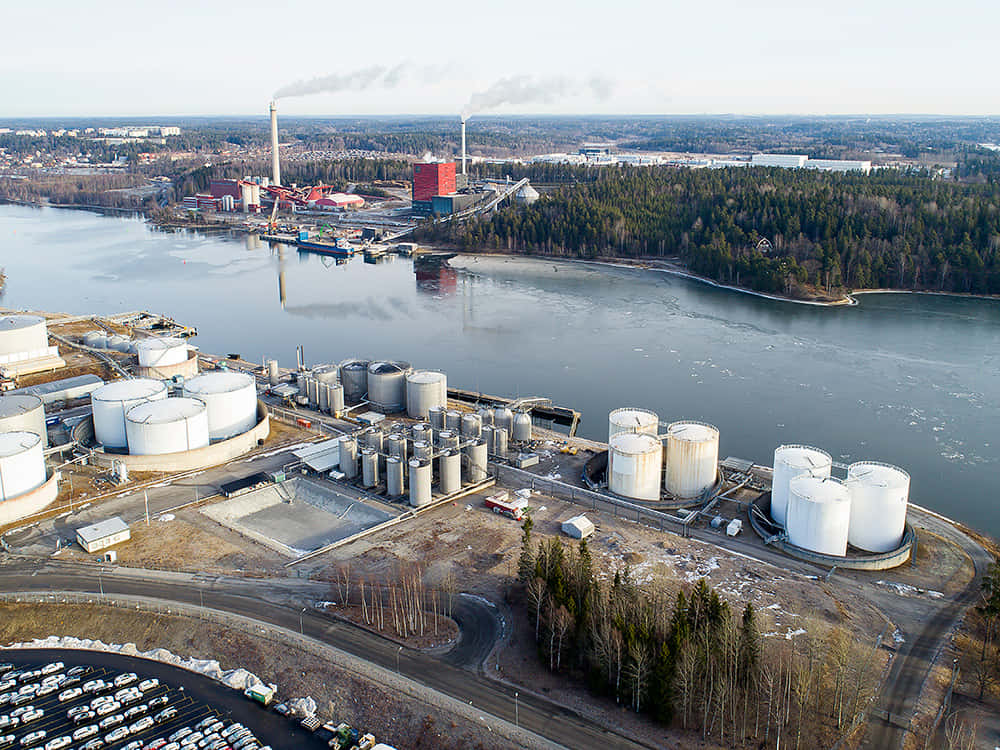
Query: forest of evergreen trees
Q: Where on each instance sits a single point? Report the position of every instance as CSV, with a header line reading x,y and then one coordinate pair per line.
x,y
829,231
689,660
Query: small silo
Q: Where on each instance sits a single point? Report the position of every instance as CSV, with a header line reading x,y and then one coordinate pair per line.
x,y
503,418
394,471
422,450
111,402
425,389
22,463
453,420
326,373
789,462
692,458
521,427
819,514
324,397
632,419
369,467
422,431
490,436
526,195
420,482
23,413
95,339
387,386
476,461
436,417
156,352
500,442
447,439
119,343
273,376
485,415
23,334
373,438
348,464
472,425
312,391
171,425
231,399
635,461
450,471
354,378
396,445
336,398
879,496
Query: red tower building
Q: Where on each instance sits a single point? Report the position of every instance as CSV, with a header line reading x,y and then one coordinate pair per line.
x,y
434,178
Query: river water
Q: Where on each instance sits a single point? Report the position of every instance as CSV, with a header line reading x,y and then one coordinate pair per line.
x,y
913,380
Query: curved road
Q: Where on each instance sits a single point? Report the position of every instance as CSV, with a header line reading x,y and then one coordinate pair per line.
x,y
256,600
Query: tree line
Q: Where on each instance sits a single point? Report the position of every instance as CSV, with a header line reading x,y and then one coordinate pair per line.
x,y
829,231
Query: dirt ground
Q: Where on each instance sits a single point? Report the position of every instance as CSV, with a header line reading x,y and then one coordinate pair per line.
x,y
340,694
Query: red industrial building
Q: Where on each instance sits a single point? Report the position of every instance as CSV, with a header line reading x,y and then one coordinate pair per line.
x,y
433,178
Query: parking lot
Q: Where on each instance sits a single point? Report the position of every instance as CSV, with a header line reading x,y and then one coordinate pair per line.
x,y
111,701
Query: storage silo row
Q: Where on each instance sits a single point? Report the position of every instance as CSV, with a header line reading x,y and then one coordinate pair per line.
x,y
22,463
635,461
789,462
692,458
425,389
879,497
818,514
230,399
632,419
171,425
112,402
23,413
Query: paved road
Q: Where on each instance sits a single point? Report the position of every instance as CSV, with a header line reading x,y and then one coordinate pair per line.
x,y
257,600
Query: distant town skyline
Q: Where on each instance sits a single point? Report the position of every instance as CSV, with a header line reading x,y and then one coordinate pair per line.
x,y
777,57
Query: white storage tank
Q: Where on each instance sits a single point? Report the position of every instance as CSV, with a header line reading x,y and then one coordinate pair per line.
x,y
472,425
635,461
22,333
819,514
632,419
172,425
450,471
155,352
475,460
354,378
231,400
425,389
348,462
119,343
692,458
503,418
436,416
22,464
23,412
394,476
420,482
789,462
879,496
110,403
96,339
521,427
387,385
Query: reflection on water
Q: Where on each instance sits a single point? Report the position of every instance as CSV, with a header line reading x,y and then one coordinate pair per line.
x,y
910,379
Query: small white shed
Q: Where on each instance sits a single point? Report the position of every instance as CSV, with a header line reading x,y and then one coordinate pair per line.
x,y
578,527
103,534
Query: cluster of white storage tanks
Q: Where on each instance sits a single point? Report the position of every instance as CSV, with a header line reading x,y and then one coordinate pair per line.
x,y
636,456
823,514
114,341
111,402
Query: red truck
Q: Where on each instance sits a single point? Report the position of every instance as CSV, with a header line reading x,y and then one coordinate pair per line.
x,y
501,503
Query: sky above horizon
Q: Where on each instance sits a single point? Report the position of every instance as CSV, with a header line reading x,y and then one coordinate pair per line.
x,y
774,57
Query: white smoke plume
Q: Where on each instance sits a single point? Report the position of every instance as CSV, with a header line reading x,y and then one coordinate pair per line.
x,y
371,77
524,89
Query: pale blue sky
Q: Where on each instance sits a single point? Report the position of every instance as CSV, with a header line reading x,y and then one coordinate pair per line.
x,y
189,57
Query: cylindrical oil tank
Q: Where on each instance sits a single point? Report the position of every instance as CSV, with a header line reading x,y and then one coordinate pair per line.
x,y
326,373
450,471
453,420
879,496
394,484
373,438
22,333
486,415
422,450
369,467
324,397
635,461
447,439
819,514
520,430
119,343
490,435
692,458
633,419
472,425
436,416
503,418
155,352
387,385
420,482
422,431
425,389
23,413
789,462
336,397
22,463
395,445
475,461
312,389
95,339
111,402
354,378
272,372
231,398
500,441
171,425
348,465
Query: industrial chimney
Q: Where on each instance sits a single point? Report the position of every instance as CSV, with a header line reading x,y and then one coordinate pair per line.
x,y
463,145
275,163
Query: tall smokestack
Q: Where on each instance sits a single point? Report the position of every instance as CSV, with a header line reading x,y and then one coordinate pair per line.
x,y
463,145
275,163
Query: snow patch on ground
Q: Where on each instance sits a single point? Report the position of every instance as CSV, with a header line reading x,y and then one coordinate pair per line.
x,y
905,589
303,707
787,635
166,517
